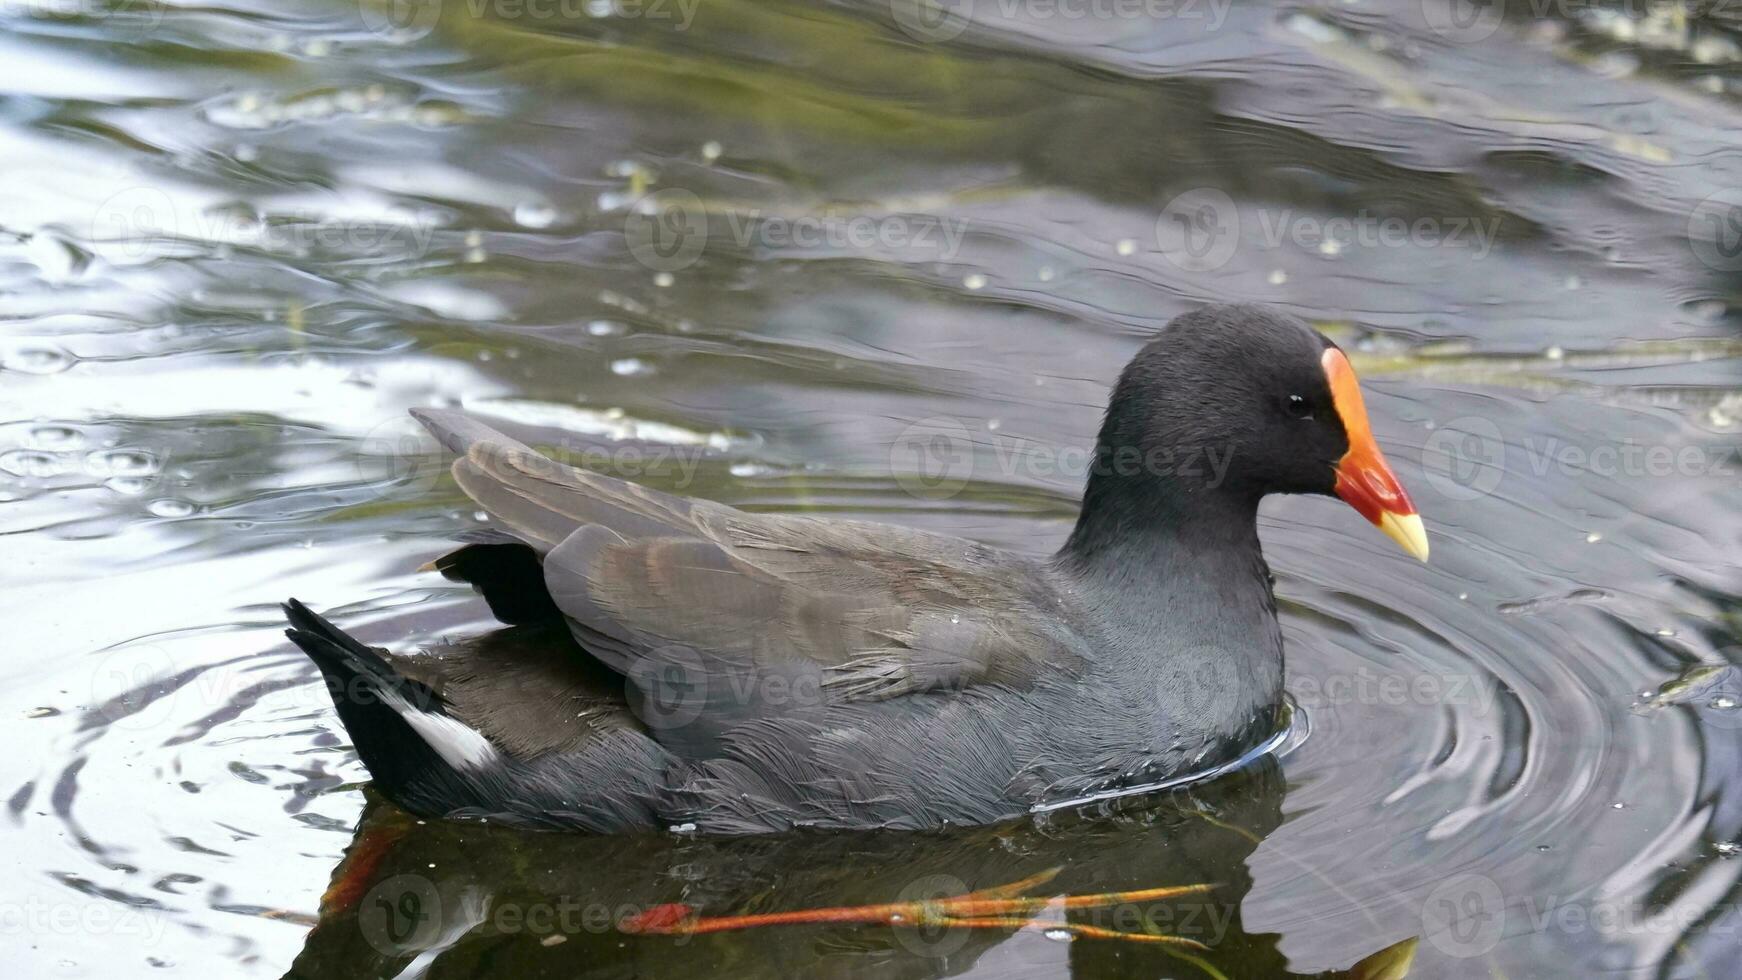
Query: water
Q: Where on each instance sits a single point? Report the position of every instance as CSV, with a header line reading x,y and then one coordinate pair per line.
x,y
802,241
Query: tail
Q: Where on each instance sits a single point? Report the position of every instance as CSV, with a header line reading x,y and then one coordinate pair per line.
x,y
421,757
459,432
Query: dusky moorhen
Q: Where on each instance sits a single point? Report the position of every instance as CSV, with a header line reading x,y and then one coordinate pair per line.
x,y
675,661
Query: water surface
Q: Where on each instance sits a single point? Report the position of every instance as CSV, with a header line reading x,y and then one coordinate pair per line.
x,y
861,262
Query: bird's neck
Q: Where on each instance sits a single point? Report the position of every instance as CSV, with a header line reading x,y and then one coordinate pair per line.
x,y
1174,587
1143,524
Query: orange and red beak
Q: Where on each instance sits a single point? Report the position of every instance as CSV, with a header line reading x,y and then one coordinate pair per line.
x,y
1363,478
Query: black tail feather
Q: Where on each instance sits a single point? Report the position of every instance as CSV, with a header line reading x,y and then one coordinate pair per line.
x,y
374,702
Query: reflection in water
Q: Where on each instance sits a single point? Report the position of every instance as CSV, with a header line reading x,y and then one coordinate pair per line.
x,y
482,900
239,240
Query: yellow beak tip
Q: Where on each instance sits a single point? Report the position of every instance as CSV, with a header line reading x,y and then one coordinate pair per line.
x,y
1408,531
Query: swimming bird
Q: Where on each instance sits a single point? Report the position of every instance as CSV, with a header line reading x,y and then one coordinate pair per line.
x,y
670,661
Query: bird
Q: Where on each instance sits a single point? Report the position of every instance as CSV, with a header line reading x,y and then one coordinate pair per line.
x,y
670,662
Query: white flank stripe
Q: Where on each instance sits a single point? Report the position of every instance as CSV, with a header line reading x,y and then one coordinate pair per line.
x,y
458,745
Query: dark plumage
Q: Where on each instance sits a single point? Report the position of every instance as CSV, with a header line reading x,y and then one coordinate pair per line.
x,y
679,661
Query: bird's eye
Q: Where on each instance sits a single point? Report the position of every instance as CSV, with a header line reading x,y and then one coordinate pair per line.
x,y
1297,407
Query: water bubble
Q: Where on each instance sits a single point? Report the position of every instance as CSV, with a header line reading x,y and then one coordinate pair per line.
x,y
631,367
1723,702
711,151
663,279
121,462
974,280
1125,246
127,486
1727,848
533,214
1278,277
30,463
1330,247
1726,413
56,437
1554,353
1045,274
38,360
170,507
1058,935
1593,538
749,470
606,328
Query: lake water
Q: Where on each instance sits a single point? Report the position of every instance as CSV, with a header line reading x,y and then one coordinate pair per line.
x,y
803,241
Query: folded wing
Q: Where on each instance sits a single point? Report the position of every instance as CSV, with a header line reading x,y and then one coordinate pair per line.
x,y
752,606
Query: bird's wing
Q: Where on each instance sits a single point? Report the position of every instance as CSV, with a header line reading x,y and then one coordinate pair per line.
x,y
651,581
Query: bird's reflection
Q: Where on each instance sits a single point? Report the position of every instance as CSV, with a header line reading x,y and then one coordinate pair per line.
x,y
449,899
